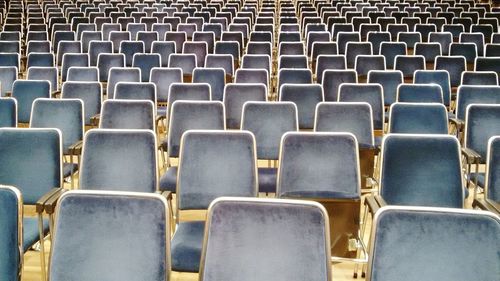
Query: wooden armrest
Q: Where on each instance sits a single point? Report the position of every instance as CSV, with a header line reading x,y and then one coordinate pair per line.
x,y
76,149
470,155
486,205
494,204
50,204
166,194
56,94
94,120
372,204
458,123
8,94
40,203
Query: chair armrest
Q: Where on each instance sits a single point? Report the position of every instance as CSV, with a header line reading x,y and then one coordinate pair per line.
x,y
94,120
486,205
159,118
458,123
470,155
166,194
50,204
55,94
8,94
40,204
494,204
76,148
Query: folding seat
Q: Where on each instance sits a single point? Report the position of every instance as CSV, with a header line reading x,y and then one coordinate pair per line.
x,y
333,78
207,37
366,63
385,22
390,50
187,62
476,38
71,60
455,65
353,49
306,97
187,115
10,36
215,77
77,73
45,73
163,78
34,181
200,49
340,27
467,95
487,64
395,29
230,48
479,78
89,92
221,61
25,92
376,39
418,93
409,64
121,74
68,47
135,91
185,91
245,75
492,50
332,179
164,49
370,93
145,62
236,95
292,247
455,30
418,118
291,48
98,47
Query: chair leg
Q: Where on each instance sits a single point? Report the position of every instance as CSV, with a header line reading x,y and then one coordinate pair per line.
x,y
42,247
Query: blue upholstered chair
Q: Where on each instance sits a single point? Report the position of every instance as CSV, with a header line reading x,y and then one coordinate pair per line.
x,y
440,77
408,241
89,92
491,200
467,95
11,237
418,118
428,93
235,228
105,61
123,160
8,112
212,164
146,62
306,97
129,48
370,93
455,65
329,62
163,78
389,80
333,78
479,78
188,115
235,96
8,74
186,62
25,92
127,114
215,77
255,118
127,243
135,91
50,74
22,151
324,167
121,74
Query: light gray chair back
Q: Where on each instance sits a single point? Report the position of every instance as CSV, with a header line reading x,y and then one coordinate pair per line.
x,y
127,114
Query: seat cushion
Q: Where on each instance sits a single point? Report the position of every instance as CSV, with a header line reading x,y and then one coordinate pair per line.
x,y
186,246
69,169
321,194
30,231
168,182
267,180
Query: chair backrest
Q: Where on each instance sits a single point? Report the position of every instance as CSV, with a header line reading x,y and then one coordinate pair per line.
x,y
45,73
63,114
467,95
492,187
110,219
11,237
214,164
193,115
352,117
420,93
481,123
215,77
8,74
123,160
234,232
440,77
319,165
135,91
8,112
479,78
255,118
105,61
306,97
333,78
418,118
23,151
127,114
89,92
25,92
410,240
421,170
121,74
370,93
146,62
163,78
235,96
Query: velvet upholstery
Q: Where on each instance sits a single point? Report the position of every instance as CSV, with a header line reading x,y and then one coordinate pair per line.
x,y
215,77
135,91
353,49
479,78
455,65
409,64
63,114
40,59
467,95
440,77
366,63
245,75
344,37
70,59
389,80
121,74
22,151
418,93
10,59
434,244
229,48
147,37
493,174
99,47
127,114
8,112
235,96
390,50
421,170
467,50
329,62
45,73
252,61
111,236
410,37
146,62
8,74
306,97
481,123
187,243
10,218
163,78
214,164
352,117
25,92
298,248
418,118
129,48
370,93
105,61
376,38
186,62
294,76
428,50
333,78
89,92
220,61
164,49
199,48
123,160
319,165
190,91
487,64
30,231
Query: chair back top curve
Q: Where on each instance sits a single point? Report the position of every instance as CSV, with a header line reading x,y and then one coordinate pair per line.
x,y
11,236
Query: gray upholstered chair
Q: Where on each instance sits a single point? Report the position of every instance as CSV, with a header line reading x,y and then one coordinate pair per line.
x,y
331,79
256,118
8,112
135,91
25,92
306,97
215,77
123,160
236,226
188,115
89,92
440,77
427,93
370,93
212,164
127,114
491,200
418,118
11,237
324,167
389,80
121,74
235,96
434,244
111,236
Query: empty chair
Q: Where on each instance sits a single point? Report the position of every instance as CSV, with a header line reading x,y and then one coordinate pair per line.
x,y
427,93
215,77
489,180
73,59
45,73
390,50
444,39
129,49
252,76
409,64
294,76
108,231
439,77
306,97
8,74
278,261
343,38
391,240
121,74
186,62
10,59
98,47
235,96
147,37
487,64
455,65
479,78
291,48
329,62
135,91
332,79
40,59
133,151
258,62
145,62
389,80
366,63
200,49
293,61
8,112
164,49
429,51
89,92
127,114
106,61
476,38
11,218
25,92
353,49
410,39
370,93
221,61
78,73
163,78
212,164
186,91
418,118
229,48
